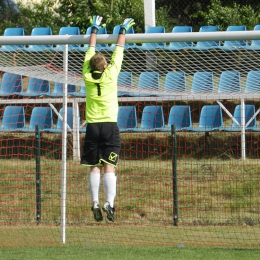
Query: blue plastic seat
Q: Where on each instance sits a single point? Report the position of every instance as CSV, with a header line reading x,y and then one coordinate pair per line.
x,y
148,80
100,46
253,82
80,93
11,84
152,119
125,79
153,45
235,45
58,90
13,32
13,119
229,82
58,128
175,81
202,82
255,44
249,113
41,117
36,87
206,45
180,45
211,119
180,117
40,31
127,118
68,31
127,45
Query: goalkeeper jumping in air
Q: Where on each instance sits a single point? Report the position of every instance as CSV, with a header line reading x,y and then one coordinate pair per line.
x,y
102,141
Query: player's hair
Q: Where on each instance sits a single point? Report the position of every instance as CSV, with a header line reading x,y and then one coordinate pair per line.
x,y
97,62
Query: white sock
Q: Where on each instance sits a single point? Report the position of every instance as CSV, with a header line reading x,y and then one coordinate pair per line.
x,y
94,183
110,187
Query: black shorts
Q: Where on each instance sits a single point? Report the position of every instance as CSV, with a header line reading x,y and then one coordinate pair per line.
x,y
102,144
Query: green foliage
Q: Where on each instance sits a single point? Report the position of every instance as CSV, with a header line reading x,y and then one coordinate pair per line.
x,y
230,15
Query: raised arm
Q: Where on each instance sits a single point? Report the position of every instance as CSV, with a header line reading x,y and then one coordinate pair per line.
x,y
96,21
128,23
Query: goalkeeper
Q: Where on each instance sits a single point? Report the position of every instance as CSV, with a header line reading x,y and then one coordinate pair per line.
x,y
102,141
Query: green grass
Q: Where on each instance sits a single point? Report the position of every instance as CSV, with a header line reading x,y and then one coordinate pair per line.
x,y
218,204
126,253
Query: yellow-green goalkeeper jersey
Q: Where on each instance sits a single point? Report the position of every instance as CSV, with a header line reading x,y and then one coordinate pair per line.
x,y
101,94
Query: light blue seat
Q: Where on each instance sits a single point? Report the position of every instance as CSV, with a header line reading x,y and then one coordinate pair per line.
x,y
152,119
36,87
206,45
235,45
175,81
125,79
127,118
146,46
58,128
40,31
180,45
58,90
127,45
253,82
41,117
249,112
80,93
68,31
211,119
100,46
255,44
13,32
148,80
11,84
13,119
202,82
229,82
180,117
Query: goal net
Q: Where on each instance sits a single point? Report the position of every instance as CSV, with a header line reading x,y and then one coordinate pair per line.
x,y
189,119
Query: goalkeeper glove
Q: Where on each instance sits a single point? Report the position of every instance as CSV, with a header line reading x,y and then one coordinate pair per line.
x,y
95,23
127,24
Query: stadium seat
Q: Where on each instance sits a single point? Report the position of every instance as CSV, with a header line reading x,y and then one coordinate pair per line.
x,y
58,90
229,82
40,31
235,45
156,45
175,81
210,120
249,113
255,44
80,93
180,45
127,45
180,117
58,128
152,119
99,47
125,79
202,82
35,88
41,117
13,32
127,118
253,82
68,31
11,84
148,80
206,45
13,119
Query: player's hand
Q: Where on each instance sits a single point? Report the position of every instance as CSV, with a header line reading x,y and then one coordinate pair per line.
x,y
96,21
128,23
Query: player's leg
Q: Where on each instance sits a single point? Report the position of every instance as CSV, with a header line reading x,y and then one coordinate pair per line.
x,y
94,184
109,157
90,158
